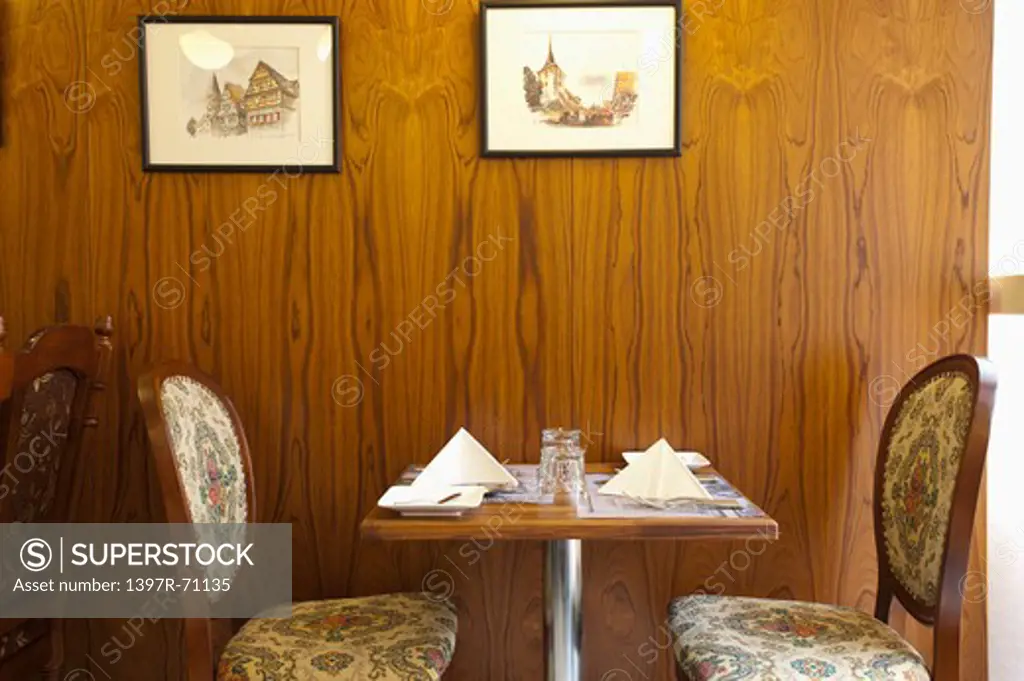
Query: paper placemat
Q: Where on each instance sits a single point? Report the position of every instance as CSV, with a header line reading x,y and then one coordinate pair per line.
x,y
609,506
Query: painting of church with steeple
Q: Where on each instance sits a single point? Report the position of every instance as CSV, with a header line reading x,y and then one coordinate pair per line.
x,y
602,100
587,78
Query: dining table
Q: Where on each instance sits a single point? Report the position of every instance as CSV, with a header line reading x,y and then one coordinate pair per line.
x,y
563,523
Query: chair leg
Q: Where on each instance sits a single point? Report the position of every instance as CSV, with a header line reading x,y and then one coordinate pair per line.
x,y
53,666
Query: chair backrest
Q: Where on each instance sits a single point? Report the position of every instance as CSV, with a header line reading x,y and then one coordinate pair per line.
x,y
201,454
52,380
204,470
6,367
930,462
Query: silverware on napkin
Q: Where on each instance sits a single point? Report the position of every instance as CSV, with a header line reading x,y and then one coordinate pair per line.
x,y
428,502
682,502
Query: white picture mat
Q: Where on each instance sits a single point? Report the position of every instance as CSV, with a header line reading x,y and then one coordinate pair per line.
x,y
512,36
170,142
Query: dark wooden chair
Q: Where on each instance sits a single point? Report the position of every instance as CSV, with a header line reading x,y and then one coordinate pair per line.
x,y
205,474
929,467
46,390
6,364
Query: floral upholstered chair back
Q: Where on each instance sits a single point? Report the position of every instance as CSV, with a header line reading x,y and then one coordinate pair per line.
x,y
207,451
923,456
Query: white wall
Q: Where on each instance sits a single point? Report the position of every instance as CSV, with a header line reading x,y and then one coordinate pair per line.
x,y
1006,348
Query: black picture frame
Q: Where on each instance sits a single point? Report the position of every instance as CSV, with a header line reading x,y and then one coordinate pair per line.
x,y
674,151
331,21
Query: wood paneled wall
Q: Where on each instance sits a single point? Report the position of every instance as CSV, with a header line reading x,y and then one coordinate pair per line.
x,y
759,298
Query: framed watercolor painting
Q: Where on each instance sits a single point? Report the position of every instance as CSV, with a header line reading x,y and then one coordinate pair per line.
x,y
581,78
240,94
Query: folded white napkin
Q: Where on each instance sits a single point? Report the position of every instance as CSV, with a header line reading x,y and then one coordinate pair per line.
x,y
691,459
657,475
464,461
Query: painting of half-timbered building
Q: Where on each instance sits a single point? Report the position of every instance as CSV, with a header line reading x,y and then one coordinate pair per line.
x,y
270,97
247,96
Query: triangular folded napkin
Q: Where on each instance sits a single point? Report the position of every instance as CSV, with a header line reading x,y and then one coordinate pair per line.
x,y
658,475
464,461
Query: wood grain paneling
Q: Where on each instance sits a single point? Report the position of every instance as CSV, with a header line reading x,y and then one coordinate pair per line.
x,y
759,298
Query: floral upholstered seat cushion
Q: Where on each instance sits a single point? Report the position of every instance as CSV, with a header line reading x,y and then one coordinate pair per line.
x,y
399,637
728,639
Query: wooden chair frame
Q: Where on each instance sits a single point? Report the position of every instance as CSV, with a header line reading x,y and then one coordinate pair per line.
x,y
6,365
204,638
945,615
81,350
86,353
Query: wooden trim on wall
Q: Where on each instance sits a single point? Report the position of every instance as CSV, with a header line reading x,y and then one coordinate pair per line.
x,y
1006,294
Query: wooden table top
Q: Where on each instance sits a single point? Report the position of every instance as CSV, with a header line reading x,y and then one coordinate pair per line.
x,y
523,521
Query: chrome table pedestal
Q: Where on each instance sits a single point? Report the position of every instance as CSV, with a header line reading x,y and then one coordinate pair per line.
x,y
563,613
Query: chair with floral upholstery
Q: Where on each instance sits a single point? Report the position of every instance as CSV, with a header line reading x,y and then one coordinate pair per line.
x,y
46,393
205,472
929,467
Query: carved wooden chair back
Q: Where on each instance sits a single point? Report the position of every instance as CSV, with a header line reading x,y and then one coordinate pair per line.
x,y
6,364
931,456
42,423
46,392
